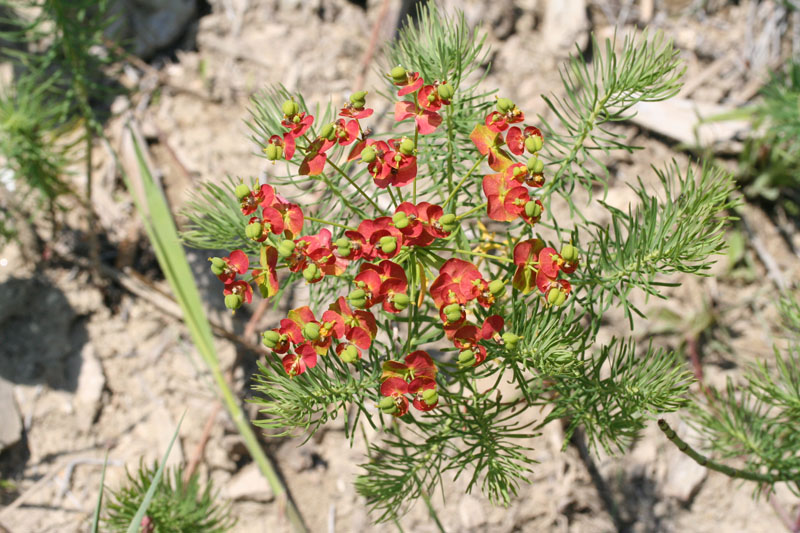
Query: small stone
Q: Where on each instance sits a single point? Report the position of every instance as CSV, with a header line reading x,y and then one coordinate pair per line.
x,y
91,383
11,428
248,484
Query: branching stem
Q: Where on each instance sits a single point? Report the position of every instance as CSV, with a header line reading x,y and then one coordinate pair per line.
x,y
328,222
473,210
354,184
460,183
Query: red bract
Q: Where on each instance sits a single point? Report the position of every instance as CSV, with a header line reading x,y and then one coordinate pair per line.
x,y
396,388
266,278
526,257
549,262
463,274
302,316
263,196
286,144
410,84
515,138
505,198
498,122
489,143
420,364
417,387
492,327
314,161
291,214
236,263
296,363
298,124
427,121
429,98
242,288
359,326
346,131
370,282
350,111
467,338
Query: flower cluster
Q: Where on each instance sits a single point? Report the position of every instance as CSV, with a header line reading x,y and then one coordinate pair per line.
x,y
383,256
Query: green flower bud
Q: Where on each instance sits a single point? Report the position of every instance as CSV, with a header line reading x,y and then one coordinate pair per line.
x,y
218,265
535,165
368,154
510,340
271,338
399,216
349,354
517,171
398,74
342,242
296,119
431,97
387,405
467,357
533,144
311,272
556,296
448,222
357,99
430,396
533,210
569,253
401,301
233,301
497,287
286,248
242,191
273,152
452,312
358,298
290,108
446,91
504,105
253,230
328,131
388,244
407,147
311,331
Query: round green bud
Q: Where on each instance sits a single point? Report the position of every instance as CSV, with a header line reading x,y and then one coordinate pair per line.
x,y
271,338
328,131
387,405
290,108
504,105
401,301
510,340
569,253
358,298
388,244
466,357
311,331
218,265
398,74
399,217
533,210
449,222
533,144
349,354
535,165
273,152
431,98
402,223
253,230
233,301
517,171
368,154
242,191
556,296
311,272
452,312
286,248
358,95
342,242
407,147
446,91
430,396
497,287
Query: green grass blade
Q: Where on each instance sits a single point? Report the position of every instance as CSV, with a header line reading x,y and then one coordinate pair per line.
x,y
151,491
161,230
99,506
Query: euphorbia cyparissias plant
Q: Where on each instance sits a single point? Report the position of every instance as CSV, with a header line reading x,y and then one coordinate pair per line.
x,y
375,253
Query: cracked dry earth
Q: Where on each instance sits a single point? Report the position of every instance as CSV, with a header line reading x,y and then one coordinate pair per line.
x,y
86,368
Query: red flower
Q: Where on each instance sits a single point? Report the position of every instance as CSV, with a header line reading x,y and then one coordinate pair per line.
x,y
505,199
263,196
515,138
284,147
424,401
526,257
370,282
242,288
396,388
427,121
314,161
346,132
466,338
298,124
296,363
489,143
291,214
402,168
236,263
429,98
410,84
359,326
498,122
350,111
492,327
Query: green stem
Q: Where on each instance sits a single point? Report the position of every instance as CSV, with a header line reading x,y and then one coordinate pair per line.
x,y
391,195
432,511
474,209
354,184
450,142
323,221
460,183
702,460
341,196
